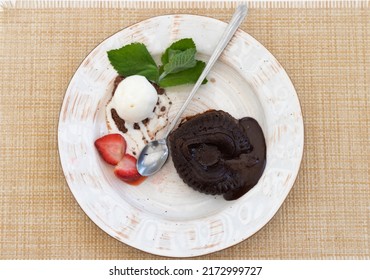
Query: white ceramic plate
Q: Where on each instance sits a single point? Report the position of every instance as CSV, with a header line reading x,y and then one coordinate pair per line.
x,y
163,216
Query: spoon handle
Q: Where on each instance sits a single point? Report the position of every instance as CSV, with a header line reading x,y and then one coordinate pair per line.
x,y
236,20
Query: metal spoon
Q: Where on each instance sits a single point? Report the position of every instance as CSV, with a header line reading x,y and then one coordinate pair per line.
x,y
155,153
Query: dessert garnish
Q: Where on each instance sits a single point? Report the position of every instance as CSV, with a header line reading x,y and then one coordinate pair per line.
x,y
112,149
216,154
179,65
126,170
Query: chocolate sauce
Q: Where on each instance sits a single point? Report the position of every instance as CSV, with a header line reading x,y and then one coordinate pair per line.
x,y
215,153
119,122
117,80
145,121
250,167
159,90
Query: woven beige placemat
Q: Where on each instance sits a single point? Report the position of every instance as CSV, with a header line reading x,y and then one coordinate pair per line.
x,y
324,49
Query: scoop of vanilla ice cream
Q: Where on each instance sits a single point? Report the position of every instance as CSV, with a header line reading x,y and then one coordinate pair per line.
x,y
134,99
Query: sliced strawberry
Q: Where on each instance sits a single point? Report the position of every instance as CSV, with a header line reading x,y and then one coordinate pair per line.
x,y
126,169
111,147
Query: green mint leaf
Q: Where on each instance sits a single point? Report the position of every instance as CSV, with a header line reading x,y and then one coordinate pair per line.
x,y
180,62
134,59
189,76
161,70
172,53
180,45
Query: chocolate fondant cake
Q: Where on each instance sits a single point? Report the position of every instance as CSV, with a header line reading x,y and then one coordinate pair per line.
x,y
217,154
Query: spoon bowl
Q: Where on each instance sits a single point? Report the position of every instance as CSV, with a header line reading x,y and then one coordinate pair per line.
x,y
152,157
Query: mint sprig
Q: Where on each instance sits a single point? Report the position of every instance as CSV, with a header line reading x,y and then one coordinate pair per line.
x,y
134,59
189,76
179,65
177,47
179,61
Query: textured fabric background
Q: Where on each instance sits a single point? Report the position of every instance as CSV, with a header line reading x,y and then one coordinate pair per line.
x,y
324,50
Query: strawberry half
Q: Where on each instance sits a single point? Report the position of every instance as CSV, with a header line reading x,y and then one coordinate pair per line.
x,y
111,147
126,169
